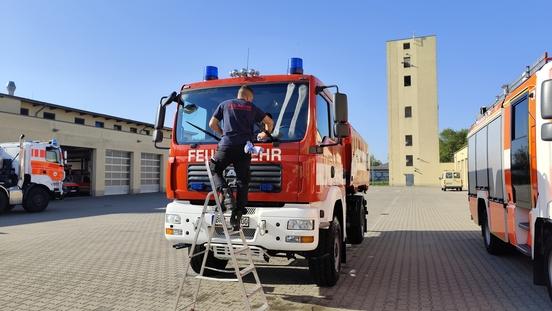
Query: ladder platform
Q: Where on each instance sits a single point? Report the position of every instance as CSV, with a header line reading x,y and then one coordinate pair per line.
x,y
241,249
220,270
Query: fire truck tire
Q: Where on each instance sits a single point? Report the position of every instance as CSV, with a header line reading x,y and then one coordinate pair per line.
x,y
4,202
494,245
212,262
325,267
548,266
356,217
36,199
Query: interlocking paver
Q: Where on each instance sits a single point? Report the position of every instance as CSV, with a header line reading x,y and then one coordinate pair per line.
x,y
422,252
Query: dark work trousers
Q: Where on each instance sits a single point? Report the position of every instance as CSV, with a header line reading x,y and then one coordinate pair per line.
x,y
241,161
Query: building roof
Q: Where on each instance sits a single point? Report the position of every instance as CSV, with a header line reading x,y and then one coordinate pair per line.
x,y
410,38
68,109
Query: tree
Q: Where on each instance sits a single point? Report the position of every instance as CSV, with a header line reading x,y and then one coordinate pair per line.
x,y
374,161
451,141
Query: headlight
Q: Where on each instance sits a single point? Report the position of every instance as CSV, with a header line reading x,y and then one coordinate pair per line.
x,y
172,219
300,224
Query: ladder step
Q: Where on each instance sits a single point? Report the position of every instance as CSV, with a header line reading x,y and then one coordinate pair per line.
x,y
220,270
196,254
241,250
263,307
215,279
247,270
524,226
524,248
257,288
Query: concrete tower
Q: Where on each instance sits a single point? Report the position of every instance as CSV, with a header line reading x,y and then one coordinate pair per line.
x,y
412,111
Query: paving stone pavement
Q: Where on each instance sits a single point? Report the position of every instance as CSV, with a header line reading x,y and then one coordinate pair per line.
x,y
422,252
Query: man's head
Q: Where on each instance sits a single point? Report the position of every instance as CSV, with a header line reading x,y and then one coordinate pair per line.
x,y
245,93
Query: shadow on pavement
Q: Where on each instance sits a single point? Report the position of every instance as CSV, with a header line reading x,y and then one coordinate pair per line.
x,y
415,270
77,207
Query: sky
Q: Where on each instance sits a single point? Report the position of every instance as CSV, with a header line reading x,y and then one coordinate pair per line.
x,y
120,57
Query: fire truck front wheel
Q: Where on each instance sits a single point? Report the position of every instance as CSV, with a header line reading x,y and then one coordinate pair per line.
x,y
4,202
36,199
548,266
212,262
326,265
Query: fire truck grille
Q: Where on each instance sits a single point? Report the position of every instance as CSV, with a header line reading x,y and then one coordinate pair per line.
x,y
248,233
264,178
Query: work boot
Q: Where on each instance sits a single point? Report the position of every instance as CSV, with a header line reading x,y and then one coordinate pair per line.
x,y
235,218
228,201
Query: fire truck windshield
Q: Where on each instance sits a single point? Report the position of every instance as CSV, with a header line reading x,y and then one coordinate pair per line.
x,y
285,102
53,155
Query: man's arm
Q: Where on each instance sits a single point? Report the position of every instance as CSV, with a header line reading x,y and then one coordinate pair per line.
x,y
268,124
215,126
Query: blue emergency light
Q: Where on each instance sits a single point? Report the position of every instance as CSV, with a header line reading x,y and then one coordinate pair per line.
x,y
295,66
211,73
266,187
197,186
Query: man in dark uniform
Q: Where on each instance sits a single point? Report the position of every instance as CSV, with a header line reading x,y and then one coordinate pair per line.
x,y
238,117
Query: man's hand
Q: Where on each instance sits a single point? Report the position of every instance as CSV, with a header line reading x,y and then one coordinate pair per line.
x,y
262,136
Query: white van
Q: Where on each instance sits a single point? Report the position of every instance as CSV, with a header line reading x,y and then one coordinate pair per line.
x,y
451,180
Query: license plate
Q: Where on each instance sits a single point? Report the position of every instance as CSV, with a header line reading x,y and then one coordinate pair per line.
x,y
244,221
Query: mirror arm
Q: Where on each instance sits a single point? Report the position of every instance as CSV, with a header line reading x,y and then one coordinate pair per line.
x,y
319,89
161,148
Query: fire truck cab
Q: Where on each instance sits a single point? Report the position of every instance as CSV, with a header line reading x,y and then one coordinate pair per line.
x,y
31,173
307,189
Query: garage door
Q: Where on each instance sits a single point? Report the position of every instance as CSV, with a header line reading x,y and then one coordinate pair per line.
x,y
150,175
117,172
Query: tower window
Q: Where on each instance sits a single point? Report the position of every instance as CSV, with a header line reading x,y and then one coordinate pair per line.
x,y
406,46
406,62
408,112
409,160
408,140
407,81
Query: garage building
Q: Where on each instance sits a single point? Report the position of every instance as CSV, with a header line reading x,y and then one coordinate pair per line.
x,y
106,154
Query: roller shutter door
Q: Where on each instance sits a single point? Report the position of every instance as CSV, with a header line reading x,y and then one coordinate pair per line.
x,y
117,172
150,172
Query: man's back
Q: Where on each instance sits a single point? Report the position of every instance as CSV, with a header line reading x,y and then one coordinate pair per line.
x,y
238,117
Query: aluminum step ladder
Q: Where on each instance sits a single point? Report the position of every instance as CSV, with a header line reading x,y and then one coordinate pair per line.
x,y
208,218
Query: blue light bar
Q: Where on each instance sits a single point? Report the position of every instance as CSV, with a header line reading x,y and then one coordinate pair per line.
x,y
211,73
198,186
295,66
266,187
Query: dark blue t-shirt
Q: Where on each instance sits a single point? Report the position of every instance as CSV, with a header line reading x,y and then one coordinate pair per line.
x,y
238,117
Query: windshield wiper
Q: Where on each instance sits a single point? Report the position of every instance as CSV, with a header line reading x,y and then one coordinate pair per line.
x,y
204,131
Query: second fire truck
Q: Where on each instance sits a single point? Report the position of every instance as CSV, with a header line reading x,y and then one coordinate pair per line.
x,y
510,170
306,195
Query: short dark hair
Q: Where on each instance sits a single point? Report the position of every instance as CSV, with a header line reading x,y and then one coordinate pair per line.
x,y
245,88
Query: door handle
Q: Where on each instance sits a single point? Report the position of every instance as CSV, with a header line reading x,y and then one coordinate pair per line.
x,y
333,171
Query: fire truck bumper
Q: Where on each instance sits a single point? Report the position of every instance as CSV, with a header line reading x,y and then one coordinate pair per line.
x,y
291,228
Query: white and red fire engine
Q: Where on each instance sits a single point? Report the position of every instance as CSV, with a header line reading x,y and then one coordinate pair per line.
x,y
306,195
510,170
31,173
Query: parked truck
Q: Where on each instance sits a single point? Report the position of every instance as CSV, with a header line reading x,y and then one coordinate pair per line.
x,y
31,173
307,190
510,167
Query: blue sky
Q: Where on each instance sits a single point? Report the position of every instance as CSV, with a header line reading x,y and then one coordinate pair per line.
x,y
120,57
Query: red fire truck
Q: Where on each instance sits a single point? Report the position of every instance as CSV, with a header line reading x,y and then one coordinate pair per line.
x,y
306,195
510,168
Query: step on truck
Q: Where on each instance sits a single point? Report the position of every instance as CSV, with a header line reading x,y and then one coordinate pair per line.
x,y
31,174
510,167
307,189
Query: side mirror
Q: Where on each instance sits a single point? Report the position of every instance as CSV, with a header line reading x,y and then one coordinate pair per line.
x,y
546,99
342,130
341,109
546,132
159,124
